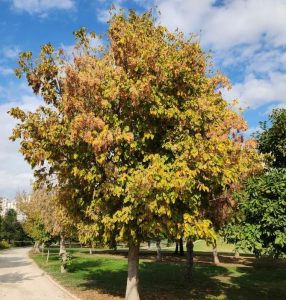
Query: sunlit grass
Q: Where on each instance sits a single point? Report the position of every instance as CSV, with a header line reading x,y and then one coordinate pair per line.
x,y
105,275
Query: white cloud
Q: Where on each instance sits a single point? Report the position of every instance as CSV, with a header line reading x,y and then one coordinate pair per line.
x,y
103,15
15,173
6,71
42,6
255,92
235,23
10,52
271,107
248,39
10,184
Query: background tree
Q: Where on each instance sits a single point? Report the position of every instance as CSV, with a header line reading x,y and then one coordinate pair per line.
x,y
259,224
261,219
272,137
46,219
1,221
137,134
11,229
33,223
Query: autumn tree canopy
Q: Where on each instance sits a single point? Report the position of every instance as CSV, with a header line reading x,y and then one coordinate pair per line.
x,y
136,132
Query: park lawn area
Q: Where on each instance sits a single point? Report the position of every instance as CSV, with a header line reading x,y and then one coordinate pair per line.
x,y
103,274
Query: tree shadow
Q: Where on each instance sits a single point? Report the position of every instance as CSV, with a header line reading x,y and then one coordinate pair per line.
x,y
266,280
167,281
13,261
16,277
158,281
84,265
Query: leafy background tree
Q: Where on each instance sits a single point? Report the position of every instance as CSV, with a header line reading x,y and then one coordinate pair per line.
x,y
272,138
261,219
259,224
46,220
11,228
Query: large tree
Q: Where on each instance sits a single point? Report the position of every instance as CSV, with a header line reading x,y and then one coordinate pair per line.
x,y
136,133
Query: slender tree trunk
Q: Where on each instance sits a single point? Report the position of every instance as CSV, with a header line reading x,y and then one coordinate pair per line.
x,y
48,254
63,254
215,254
236,254
37,247
149,244
133,273
159,253
177,248
43,248
181,247
90,251
190,259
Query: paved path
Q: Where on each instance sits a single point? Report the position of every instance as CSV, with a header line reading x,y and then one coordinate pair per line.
x,y
22,279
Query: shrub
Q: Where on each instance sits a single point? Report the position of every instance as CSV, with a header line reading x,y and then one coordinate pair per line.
x,y
4,245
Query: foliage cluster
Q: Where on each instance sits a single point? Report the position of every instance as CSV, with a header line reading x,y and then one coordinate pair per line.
x,y
10,228
4,245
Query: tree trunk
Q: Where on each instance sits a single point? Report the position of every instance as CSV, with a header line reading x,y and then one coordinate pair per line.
x,y
236,254
149,244
190,259
215,254
90,251
181,247
48,254
63,254
37,247
159,253
133,274
43,248
177,248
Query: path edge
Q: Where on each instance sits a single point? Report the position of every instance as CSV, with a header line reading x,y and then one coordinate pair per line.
x,y
65,290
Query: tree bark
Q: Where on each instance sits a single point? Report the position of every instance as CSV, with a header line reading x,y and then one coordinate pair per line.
x,y
43,248
159,253
90,251
63,254
236,254
133,274
48,254
181,247
177,248
215,254
37,247
190,259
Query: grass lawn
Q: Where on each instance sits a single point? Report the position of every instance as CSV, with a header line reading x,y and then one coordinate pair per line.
x,y
102,275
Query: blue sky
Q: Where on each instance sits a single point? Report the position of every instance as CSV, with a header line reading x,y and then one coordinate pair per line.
x,y
247,39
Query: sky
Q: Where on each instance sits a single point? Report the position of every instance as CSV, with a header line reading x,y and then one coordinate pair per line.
x,y
247,40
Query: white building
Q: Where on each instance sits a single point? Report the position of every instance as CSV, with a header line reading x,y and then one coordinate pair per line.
x,y
5,205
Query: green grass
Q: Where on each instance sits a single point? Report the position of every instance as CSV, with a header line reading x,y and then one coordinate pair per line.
x,y
98,273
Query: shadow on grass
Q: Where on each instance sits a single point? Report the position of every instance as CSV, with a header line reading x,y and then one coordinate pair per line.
x,y
166,281
257,279
158,281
